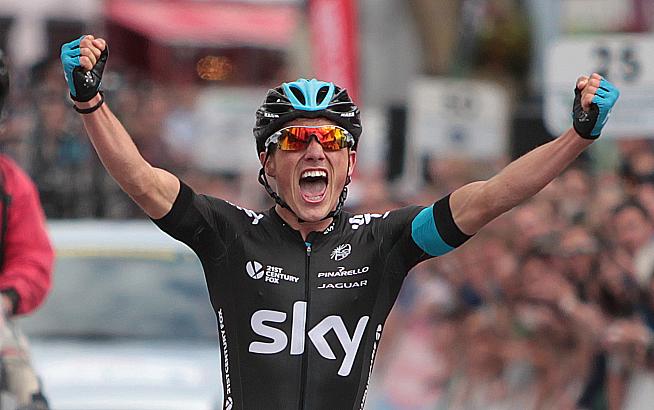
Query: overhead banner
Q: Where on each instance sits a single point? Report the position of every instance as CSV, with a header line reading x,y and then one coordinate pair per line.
x,y
334,40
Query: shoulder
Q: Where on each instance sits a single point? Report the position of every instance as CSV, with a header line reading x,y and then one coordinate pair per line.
x,y
394,217
236,211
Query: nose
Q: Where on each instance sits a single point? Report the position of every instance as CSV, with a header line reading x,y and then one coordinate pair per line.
x,y
314,150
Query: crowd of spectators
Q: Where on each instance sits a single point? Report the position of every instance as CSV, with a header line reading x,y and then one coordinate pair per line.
x,y
550,306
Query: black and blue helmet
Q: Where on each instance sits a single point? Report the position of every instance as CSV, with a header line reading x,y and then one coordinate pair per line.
x,y
305,99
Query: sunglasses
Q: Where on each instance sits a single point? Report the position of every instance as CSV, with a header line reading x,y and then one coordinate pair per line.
x,y
297,138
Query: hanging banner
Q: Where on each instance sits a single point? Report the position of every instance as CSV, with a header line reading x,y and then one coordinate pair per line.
x,y
334,40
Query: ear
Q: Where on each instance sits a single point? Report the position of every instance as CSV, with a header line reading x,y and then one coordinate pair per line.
x,y
353,161
269,165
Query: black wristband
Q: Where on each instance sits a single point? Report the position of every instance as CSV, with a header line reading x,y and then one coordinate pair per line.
x,y
90,109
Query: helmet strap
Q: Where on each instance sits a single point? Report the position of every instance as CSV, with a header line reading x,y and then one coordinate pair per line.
x,y
341,198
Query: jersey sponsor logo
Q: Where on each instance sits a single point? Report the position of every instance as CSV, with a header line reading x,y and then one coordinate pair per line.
x,y
229,403
271,274
261,320
254,269
372,361
254,215
344,285
223,339
364,219
343,272
341,252
329,229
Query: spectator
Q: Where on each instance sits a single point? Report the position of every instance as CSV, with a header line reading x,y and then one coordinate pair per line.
x,y
634,235
26,259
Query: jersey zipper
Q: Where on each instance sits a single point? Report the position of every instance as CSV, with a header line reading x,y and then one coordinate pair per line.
x,y
307,292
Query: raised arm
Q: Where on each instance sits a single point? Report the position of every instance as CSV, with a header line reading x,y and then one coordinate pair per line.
x,y
476,204
153,189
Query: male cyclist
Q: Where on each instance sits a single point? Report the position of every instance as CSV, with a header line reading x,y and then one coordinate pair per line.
x,y
301,291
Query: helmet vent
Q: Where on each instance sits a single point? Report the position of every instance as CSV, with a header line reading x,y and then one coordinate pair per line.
x,y
298,94
322,93
277,108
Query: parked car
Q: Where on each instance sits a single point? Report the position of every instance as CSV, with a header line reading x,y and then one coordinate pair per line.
x,y
128,324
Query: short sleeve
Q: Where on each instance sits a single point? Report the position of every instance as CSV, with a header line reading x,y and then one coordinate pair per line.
x,y
433,229
196,220
414,234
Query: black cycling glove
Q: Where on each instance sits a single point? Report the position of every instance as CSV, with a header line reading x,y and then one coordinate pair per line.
x,y
83,84
589,123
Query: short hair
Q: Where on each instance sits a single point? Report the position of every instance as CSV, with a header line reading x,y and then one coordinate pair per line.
x,y
631,203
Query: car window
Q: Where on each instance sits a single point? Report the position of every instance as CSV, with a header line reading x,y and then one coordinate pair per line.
x,y
145,295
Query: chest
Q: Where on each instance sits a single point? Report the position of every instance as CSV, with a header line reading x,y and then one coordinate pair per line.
x,y
330,275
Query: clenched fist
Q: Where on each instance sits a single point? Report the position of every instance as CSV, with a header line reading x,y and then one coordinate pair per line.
x,y
84,60
594,98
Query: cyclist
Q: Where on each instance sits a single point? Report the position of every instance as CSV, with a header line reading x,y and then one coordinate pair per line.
x,y
26,259
301,291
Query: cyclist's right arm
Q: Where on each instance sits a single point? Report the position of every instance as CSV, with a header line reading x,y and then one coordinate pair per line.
x,y
153,189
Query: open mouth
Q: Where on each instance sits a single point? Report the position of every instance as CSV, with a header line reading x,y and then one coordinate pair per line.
x,y
313,185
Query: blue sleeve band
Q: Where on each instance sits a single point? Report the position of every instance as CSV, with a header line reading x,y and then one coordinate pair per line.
x,y
425,234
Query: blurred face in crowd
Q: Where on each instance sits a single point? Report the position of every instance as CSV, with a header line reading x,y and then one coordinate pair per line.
x,y
642,163
576,183
54,111
618,297
483,354
575,190
534,223
645,195
579,249
633,228
311,198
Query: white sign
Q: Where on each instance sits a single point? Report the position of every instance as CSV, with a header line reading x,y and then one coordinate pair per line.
x,y
449,117
225,117
625,60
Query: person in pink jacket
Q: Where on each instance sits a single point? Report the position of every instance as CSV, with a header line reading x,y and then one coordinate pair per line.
x,y
26,261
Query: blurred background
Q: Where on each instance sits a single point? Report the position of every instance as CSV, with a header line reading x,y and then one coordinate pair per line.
x,y
549,307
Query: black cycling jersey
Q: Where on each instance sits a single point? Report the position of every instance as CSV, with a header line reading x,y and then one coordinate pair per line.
x,y
299,321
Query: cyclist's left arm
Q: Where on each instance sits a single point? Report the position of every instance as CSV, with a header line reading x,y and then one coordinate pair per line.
x,y
476,204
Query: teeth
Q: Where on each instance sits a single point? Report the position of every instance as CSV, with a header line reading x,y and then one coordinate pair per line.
x,y
314,173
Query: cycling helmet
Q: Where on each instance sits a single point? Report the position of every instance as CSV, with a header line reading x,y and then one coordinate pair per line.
x,y
305,99
4,80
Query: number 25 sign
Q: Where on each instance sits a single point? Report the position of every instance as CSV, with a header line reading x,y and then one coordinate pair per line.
x,y
625,60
